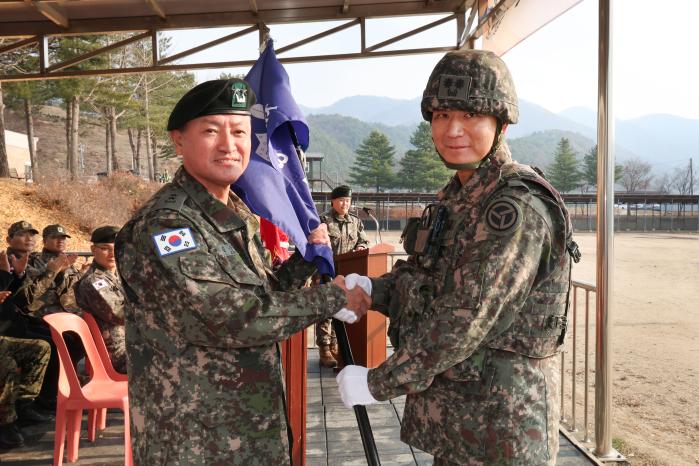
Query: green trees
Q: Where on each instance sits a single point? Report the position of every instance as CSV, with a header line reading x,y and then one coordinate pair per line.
x,y
421,169
564,173
374,163
589,169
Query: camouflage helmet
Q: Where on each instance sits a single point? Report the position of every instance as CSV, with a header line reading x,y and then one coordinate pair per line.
x,y
475,81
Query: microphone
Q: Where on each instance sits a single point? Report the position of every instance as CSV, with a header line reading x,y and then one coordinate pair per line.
x,y
370,213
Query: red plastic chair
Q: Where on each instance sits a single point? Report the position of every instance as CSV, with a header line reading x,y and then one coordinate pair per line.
x,y
97,418
100,392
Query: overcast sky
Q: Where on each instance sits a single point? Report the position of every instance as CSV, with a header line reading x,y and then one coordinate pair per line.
x,y
655,64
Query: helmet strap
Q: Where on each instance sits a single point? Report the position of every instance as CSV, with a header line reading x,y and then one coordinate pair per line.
x,y
475,165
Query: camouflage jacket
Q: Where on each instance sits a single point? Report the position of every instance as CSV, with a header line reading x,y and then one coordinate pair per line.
x,y
100,293
468,320
45,292
346,232
203,315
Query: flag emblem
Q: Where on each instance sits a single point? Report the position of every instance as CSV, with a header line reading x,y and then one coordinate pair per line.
x,y
172,241
99,284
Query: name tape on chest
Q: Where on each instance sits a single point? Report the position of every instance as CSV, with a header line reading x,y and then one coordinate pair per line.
x,y
174,241
99,284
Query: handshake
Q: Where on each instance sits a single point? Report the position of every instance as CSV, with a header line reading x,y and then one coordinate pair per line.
x,y
358,293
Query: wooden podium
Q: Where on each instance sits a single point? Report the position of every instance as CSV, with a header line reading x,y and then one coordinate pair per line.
x,y
368,336
367,339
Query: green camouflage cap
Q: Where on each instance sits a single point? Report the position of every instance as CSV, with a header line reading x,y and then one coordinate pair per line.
x,y
55,230
476,81
21,227
218,97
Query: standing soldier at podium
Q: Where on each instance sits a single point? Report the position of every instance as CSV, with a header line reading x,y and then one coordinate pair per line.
x,y
346,234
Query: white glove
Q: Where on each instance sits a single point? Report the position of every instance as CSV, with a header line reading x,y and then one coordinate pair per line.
x,y
354,387
345,315
352,280
355,279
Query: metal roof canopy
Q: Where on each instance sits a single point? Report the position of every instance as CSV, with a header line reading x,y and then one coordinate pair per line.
x,y
29,24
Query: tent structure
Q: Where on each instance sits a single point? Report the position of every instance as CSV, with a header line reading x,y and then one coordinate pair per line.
x,y
500,24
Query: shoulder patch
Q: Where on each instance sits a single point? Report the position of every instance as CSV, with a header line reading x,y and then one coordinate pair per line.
x,y
174,241
99,284
503,216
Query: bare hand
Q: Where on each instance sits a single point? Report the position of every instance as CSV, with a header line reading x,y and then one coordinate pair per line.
x,y
4,295
61,262
357,300
4,261
360,247
19,264
320,235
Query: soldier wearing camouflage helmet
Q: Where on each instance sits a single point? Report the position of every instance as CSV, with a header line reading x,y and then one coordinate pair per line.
x,y
478,312
205,311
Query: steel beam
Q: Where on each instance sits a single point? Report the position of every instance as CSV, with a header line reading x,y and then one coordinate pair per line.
x,y
94,53
50,12
228,18
156,8
405,35
207,45
216,65
320,35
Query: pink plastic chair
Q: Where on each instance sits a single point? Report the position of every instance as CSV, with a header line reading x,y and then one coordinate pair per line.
x,y
97,418
100,392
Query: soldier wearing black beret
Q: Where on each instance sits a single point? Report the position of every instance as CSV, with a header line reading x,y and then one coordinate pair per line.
x,y
346,234
204,309
101,294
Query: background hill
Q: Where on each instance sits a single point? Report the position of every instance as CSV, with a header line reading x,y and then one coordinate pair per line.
x,y
665,141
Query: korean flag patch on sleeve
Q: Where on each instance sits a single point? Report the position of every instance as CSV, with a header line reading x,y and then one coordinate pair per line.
x,y
99,284
173,241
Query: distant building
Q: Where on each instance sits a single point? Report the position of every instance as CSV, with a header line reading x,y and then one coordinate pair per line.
x,y
18,153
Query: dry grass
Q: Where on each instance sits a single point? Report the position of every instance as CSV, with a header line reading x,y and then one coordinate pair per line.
x,y
109,201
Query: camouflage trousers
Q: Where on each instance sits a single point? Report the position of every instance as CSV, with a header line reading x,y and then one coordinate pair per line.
x,y
22,367
116,347
325,335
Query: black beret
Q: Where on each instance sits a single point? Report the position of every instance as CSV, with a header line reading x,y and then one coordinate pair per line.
x,y
341,191
217,97
55,230
106,234
21,227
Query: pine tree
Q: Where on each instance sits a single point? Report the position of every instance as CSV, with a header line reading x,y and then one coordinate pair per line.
x,y
374,163
589,171
563,173
421,168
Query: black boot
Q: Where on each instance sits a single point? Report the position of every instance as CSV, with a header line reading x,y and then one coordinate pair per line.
x,y
28,414
11,436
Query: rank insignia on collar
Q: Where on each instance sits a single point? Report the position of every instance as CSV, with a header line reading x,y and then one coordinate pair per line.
x,y
503,216
174,241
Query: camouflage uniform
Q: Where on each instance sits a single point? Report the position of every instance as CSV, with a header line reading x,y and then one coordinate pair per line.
x,y
100,293
22,367
46,292
346,234
479,309
202,322
477,327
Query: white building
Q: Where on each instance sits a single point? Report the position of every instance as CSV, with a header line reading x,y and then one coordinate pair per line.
x,y
18,152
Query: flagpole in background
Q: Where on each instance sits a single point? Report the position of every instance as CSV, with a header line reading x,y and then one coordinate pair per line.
x,y
275,186
370,451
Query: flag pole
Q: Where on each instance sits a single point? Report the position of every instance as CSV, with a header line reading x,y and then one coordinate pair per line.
x,y
372,455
